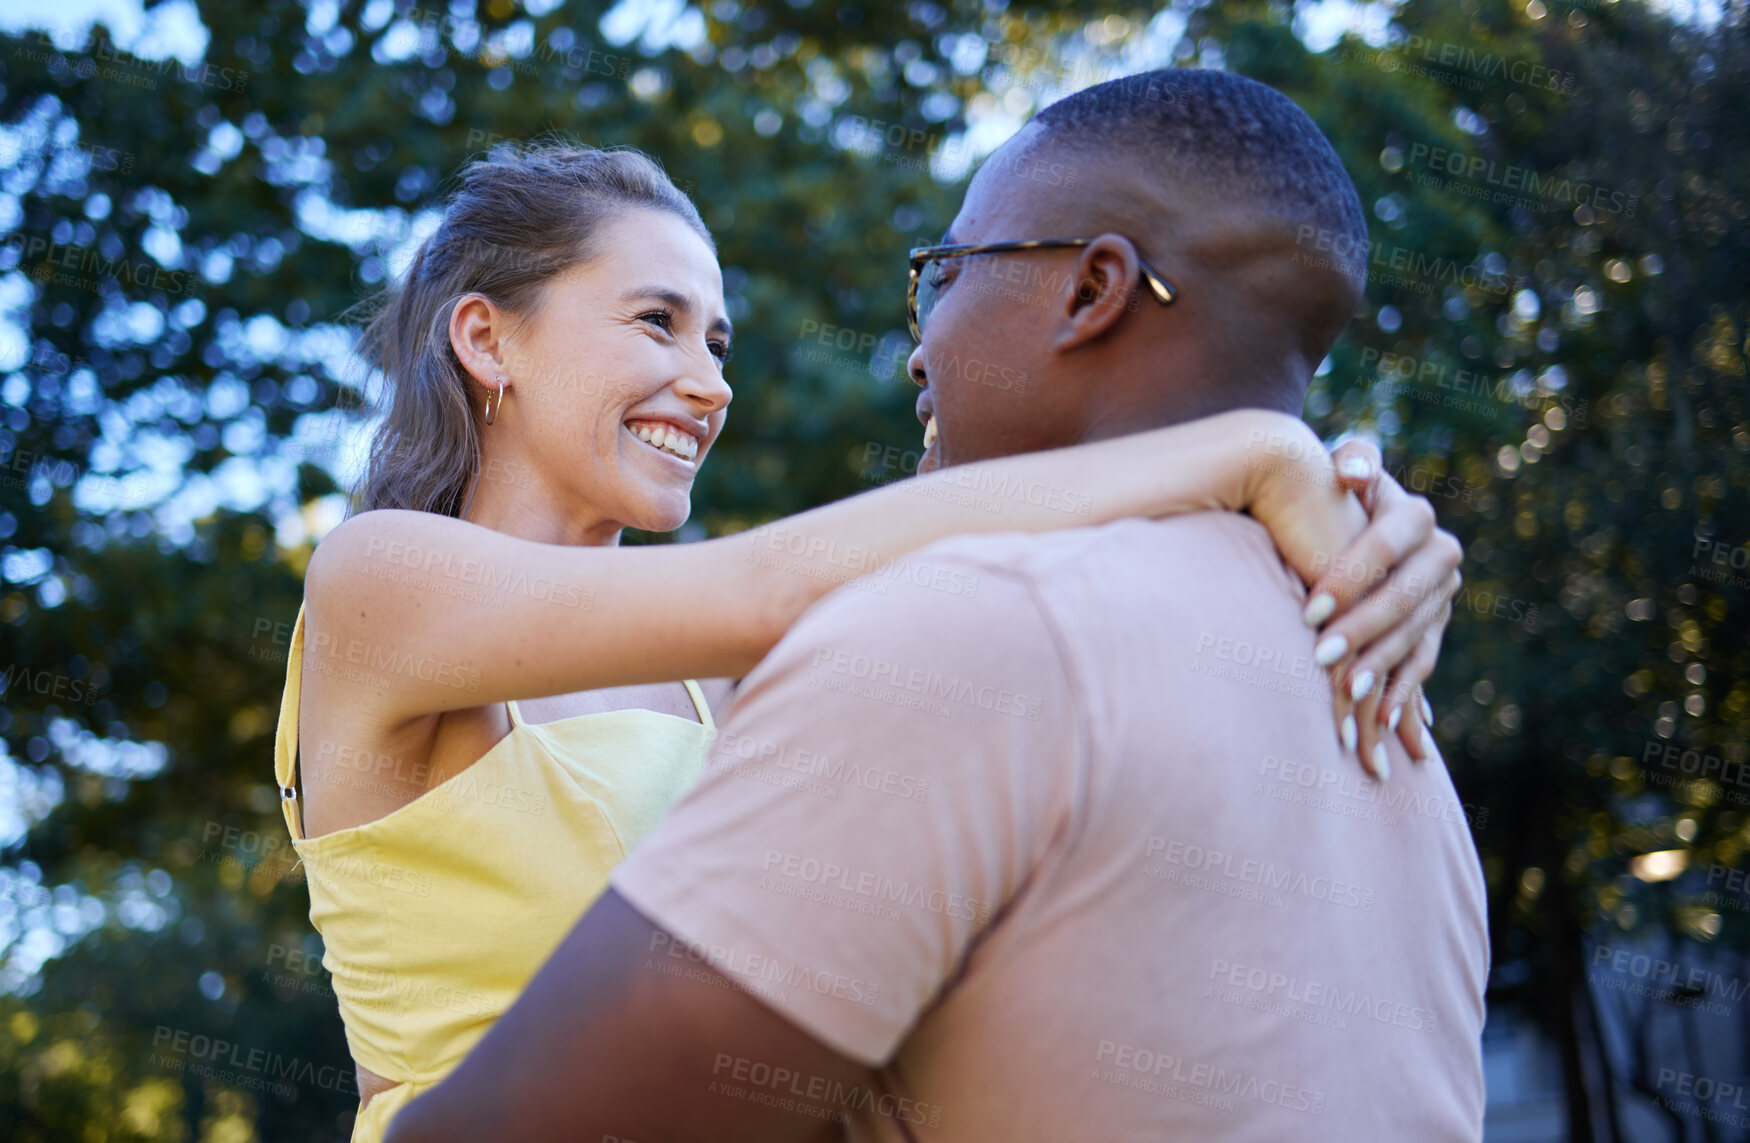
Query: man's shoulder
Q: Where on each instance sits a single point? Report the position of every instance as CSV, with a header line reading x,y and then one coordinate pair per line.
x,y
1001,588
1161,546
933,597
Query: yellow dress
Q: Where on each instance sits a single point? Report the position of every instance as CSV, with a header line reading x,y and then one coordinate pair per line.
x,y
436,916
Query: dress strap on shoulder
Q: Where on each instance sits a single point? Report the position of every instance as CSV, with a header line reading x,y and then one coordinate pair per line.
x,y
699,703
285,743
516,716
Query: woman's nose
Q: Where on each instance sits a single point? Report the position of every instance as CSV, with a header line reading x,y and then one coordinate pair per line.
x,y
914,367
707,390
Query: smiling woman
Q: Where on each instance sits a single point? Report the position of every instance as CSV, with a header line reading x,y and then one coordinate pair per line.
x,y
494,700
609,395
510,244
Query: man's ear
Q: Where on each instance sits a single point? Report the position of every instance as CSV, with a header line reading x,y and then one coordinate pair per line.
x,y
1103,286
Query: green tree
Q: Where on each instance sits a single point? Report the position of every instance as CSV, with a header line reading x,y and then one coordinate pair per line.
x,y
182,244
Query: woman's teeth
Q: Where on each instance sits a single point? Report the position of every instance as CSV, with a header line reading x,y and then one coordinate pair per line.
x,y
930,432
667,438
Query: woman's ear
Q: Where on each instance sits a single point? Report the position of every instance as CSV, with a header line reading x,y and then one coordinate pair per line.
x,y
1103,286
476,335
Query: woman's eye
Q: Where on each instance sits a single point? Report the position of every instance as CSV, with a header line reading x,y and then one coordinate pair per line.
x,y
940,276
722,351
659,318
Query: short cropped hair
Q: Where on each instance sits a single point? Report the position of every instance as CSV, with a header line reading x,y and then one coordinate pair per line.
x,y
1235,136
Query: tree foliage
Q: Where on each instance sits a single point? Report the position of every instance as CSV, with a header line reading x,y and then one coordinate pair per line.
x,y
1553,351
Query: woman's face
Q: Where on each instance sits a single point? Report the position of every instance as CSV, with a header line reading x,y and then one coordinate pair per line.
x,y
616,380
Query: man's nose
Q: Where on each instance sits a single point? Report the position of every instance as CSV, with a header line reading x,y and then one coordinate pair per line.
x,y
914,367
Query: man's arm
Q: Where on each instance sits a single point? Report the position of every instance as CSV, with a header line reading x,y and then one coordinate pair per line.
x,y
890,776
625,1035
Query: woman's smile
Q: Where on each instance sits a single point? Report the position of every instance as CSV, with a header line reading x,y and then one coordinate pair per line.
x,y
663,436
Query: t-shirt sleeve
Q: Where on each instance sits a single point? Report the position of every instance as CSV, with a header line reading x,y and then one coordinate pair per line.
x,y
886,782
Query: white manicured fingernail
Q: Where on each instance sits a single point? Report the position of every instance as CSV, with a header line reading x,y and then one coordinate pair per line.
x,y
1347,732
1381,762
1427,743
1330,650
1427,711
1397,714
1318,609
1356,467
1360,685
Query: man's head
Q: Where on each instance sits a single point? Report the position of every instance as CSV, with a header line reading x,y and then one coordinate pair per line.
x,y
1218,183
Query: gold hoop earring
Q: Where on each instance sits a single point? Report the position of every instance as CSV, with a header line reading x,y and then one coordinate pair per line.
x,y
492,406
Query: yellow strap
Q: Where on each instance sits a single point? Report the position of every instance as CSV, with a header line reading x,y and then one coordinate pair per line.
x,y
700,704
285,742
285,745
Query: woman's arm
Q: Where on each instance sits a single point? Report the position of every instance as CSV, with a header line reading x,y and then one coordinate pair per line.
x,y
1385,591
1401,574
433,613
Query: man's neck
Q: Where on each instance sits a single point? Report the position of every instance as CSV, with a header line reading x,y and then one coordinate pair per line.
x,y
1165,401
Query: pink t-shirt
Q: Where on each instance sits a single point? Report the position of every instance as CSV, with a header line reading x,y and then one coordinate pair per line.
x,y
1055,832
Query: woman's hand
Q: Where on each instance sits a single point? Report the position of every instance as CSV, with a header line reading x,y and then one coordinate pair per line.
x,y
1390,597
1381,595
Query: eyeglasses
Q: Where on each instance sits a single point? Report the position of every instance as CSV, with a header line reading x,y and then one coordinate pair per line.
x,y
922,293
